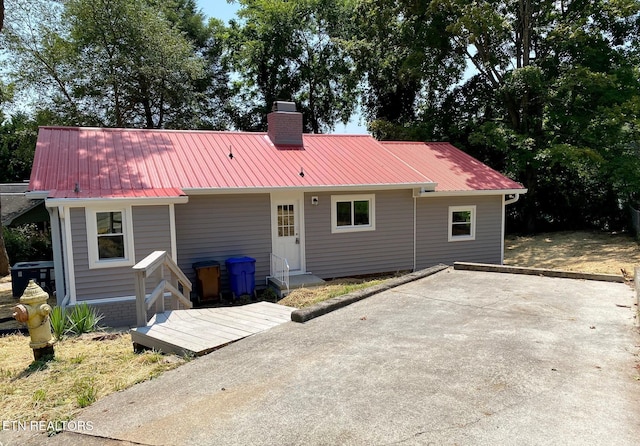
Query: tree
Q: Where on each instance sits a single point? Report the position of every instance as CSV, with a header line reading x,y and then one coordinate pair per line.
x,y
285,50
405,61
560,91
1,14
118,63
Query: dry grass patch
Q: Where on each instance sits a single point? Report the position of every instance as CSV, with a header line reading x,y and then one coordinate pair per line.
x,y
305,297
583,251
85,369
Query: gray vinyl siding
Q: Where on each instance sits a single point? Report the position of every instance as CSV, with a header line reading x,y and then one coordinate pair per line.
x,y
432,245
151,231
217,227
388,248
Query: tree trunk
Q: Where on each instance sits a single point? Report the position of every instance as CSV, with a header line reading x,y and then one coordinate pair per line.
x,y
4,258
1,20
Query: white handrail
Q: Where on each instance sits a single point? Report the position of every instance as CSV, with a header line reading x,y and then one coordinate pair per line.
x,y
159,261
280,269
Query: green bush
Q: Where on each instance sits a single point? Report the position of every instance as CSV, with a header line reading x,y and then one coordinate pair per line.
x,y
81,319
27,243
84,319
59,322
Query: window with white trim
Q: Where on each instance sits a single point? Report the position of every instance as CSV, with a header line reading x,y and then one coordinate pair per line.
x,y
351,213
109,237
462,223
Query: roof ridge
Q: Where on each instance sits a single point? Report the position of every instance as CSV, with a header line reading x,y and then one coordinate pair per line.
x,y
417,142
128,129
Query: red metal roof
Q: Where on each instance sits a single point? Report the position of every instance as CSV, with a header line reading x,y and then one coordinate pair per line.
x,y
94,162
450,167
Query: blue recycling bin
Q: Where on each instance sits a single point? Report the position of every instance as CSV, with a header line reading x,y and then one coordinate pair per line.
x,y
242,275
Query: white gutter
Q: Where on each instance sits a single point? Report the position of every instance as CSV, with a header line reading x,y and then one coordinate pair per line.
x,y
310,188
466,193
139,201
37,195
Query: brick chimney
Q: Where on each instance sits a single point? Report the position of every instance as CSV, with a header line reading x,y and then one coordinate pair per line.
x,y
285,124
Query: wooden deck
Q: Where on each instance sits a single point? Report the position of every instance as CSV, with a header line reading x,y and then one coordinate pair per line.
x,y
200,331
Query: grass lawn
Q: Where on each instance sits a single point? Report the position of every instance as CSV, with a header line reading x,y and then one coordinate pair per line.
x,y
92,366
84,369
305,297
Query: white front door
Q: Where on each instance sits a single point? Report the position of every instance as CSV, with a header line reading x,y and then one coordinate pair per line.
x,y
287,227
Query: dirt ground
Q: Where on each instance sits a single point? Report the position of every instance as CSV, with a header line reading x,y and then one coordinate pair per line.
x,y
583,251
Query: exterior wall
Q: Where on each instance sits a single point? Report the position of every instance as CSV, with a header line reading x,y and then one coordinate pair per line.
x,y
217,227
432,245
388,248
151,228
122,313
117,314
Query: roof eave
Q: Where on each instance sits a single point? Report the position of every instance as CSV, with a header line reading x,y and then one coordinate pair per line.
x,y
417,193
87,202
310,188
37,194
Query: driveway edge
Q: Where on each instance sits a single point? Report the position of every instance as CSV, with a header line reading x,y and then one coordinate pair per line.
x,y
536,272
327,306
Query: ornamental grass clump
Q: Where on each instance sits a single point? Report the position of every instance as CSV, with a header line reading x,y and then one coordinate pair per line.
x,y
81,319
84,319
59,322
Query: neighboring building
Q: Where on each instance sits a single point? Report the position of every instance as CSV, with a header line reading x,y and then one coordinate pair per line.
x,y
17,209
333,205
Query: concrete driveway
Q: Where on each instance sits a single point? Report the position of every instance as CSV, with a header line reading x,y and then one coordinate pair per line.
x,y
457,358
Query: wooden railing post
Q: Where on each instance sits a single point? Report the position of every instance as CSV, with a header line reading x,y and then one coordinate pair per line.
x,y
158,262
160,301
175,303
141,294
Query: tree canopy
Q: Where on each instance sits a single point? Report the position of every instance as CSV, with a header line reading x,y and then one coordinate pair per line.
x,y
286,50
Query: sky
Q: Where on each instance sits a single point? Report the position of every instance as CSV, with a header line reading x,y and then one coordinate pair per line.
x,y
226,11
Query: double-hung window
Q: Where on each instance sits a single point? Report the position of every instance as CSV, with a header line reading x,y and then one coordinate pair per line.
x,y
350,213
109,237
462,223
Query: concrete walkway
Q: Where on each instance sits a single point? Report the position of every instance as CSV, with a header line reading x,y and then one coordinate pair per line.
x,y
460,357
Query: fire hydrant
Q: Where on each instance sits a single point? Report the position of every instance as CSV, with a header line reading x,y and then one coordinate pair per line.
x,y
34,311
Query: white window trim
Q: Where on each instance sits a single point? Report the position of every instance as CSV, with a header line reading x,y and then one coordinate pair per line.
x,y
462,238
335,229
92,237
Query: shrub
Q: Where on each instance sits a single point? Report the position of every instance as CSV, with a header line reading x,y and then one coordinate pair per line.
x,y
81,319
84,319
59,322
27,243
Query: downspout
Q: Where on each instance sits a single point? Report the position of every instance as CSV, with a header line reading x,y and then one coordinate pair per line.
x,y
58,263
67,247
505,202
415,233
512,200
